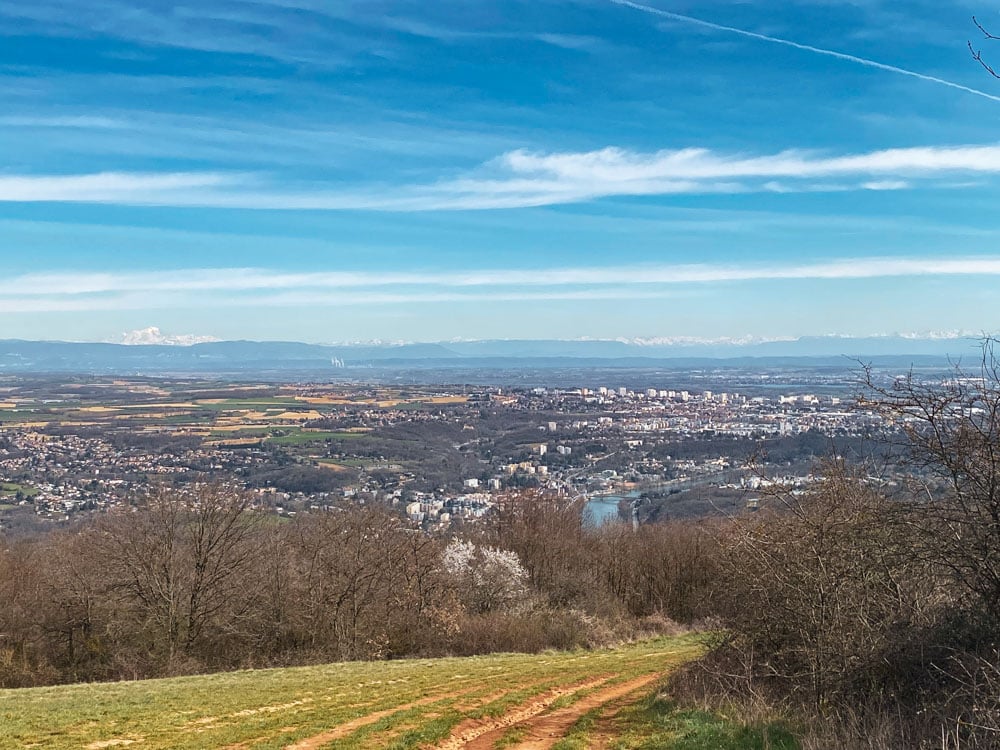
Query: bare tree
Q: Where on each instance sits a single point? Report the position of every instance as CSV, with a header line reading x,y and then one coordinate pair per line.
x,y
548,535
22,644
177,564
74,611
952,438
355,578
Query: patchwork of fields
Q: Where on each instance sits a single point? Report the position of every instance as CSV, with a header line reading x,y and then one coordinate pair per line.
x,y
281,418
563,701
74,445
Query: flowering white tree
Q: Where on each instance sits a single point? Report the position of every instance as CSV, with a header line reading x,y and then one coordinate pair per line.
x,y
490,579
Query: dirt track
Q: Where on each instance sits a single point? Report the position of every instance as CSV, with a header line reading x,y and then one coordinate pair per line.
x,y
542,728
342,730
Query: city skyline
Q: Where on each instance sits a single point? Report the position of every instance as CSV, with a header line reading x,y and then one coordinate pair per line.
x,y
298,170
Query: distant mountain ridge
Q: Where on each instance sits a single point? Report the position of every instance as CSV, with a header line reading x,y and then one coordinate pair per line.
x,y
247,356
808,346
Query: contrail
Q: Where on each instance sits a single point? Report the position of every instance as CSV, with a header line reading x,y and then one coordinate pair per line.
x,y
805,47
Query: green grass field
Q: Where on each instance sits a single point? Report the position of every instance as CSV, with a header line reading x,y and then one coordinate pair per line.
x,y
283,435
267,402
8,416
303,437
9,489
572,698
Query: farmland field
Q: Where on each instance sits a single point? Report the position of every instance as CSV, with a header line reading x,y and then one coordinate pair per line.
x,y
302,437
9,488
551,700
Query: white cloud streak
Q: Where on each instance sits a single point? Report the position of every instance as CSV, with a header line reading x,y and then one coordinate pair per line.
x,y
110,187
229,287
613,164
87,122
804,47
523,179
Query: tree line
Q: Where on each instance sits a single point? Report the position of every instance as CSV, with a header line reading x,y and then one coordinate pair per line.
x,y
195,580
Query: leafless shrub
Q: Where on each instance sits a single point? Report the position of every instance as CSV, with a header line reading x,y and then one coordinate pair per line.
x,y
952,432
819,588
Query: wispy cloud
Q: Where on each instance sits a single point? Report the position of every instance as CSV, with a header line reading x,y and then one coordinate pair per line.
x,y
226,287
805,47
83,122
111,187
229,28
521,179
698,163
281,140
449,34
317,35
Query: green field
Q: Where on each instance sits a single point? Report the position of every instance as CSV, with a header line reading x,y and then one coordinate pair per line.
x,y
240,432
237,404
302,437
19,415
570,698
7,489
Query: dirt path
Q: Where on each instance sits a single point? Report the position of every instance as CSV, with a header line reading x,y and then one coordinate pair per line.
x,y
552,727
349,727
342,730
542,728
482,733
603,732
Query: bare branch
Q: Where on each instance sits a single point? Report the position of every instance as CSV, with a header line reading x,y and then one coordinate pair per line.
x,y
977,55
979,26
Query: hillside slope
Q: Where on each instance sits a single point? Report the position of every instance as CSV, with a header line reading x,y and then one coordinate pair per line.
x,y
518,701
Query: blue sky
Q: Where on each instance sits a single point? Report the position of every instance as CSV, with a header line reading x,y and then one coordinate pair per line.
x,y
335,171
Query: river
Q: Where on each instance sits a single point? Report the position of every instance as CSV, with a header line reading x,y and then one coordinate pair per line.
x,y
601,509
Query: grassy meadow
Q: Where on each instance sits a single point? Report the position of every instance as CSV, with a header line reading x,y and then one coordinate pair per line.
x,y
566,700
